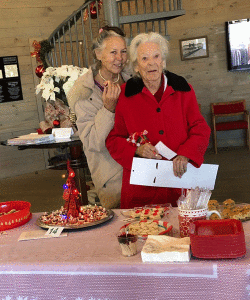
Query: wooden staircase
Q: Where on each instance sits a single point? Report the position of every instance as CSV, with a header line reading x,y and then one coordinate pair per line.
x,y
71,40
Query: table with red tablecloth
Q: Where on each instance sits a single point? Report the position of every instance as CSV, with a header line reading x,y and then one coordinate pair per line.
x,y
88,264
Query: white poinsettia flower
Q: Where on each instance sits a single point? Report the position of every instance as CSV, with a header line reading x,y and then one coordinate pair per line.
x,y
62,73
56,89
68,85
57,79
48,71
74,75
39,87
49,92
64,77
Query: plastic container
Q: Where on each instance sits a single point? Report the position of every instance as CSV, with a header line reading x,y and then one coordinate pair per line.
x,y
214,239
16,219
128,243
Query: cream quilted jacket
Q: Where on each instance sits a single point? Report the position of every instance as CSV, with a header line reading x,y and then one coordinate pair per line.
x,y
94,123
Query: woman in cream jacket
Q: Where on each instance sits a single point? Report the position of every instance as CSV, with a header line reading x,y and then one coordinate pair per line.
x,y
93,98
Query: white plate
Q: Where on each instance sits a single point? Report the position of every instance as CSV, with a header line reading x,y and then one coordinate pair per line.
x,y
144,226
130,213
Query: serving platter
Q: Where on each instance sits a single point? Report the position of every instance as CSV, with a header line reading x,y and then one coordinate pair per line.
x,y
110,215
150,212
144,228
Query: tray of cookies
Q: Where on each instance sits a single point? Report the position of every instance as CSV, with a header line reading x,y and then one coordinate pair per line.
x,y
229,209
89,216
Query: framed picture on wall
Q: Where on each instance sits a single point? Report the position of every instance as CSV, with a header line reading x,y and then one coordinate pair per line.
x,y
194,48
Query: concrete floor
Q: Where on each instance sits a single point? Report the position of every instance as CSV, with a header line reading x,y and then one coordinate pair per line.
x,y
233,178
43,189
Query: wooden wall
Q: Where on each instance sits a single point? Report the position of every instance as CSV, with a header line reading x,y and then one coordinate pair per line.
x,y
24,20
21,22
209,76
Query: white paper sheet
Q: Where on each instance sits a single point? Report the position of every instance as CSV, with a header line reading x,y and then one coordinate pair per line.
x,y
165,151
62,133
37,234
152,172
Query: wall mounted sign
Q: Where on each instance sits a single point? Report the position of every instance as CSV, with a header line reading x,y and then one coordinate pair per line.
x,y
10,82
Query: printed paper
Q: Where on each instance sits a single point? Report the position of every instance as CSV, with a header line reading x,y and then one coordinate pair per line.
x,y
152,172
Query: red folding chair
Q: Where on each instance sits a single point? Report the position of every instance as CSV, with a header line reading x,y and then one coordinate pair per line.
x,y
229,109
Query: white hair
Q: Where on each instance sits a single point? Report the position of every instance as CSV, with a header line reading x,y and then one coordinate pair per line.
x,y
152,37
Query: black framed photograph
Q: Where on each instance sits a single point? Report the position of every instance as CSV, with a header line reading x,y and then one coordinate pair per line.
x,y
193,48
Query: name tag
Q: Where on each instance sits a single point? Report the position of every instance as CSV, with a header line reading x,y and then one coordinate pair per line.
x,y
54,231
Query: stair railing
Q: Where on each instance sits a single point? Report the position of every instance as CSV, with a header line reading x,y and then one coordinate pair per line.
x,y
71,41
136,16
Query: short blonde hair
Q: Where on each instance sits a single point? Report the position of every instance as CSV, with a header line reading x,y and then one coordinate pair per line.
x,y
152,37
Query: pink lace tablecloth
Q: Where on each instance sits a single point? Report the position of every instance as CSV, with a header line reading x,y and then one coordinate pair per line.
x,y
87,264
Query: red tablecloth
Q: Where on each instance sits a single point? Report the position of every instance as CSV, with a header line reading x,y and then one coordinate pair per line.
x,y
87,264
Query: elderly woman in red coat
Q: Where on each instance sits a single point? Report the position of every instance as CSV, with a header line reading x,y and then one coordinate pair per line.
x,y
163,104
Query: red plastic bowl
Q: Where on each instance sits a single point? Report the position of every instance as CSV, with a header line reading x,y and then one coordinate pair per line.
x,y
214,239
16,219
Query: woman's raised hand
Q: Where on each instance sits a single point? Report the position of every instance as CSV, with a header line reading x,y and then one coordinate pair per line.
x,y
148,151
110,95
180,165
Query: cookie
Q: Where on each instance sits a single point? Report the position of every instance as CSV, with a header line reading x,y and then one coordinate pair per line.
x,y
213,205
229,203
214,217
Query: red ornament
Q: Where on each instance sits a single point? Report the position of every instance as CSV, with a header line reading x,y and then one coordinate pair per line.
x,y
93,12
56,123
72,174
75,192
39,71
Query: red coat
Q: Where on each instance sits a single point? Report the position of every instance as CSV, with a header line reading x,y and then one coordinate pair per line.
x,y
175,120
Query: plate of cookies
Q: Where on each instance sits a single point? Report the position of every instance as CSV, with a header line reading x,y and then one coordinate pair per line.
x,y
144,228
229,209
149,212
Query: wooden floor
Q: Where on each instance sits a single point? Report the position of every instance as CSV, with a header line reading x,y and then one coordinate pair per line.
x,y
43,189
